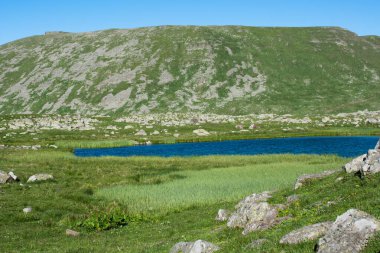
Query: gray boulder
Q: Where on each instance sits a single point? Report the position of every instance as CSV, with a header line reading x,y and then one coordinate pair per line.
x,y
198,246
254,213
27,209
349,233
307,233
372,162
355,165
5,178
222,215
40,177
307,177
201,132
70,232
141,133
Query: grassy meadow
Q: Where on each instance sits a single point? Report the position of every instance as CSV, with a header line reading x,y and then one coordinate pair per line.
x,y
191,191
183,189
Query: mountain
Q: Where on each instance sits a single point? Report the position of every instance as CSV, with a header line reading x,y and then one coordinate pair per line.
x,y
225,70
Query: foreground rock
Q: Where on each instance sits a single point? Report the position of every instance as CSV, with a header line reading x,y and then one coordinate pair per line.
x,y
201,132
7,177
4,177
355,165
40,177
307,233
222,215
27,209
199,246
254,213
70,232
349,233
308,177
365,164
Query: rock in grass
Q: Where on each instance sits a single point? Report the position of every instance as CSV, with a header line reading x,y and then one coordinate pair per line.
x,y
198,246
40,177
307,233
70,232
4,177
201,132
27,209
13,176
222,215
355,165
307,177
349,233
141,133
7,177
253,213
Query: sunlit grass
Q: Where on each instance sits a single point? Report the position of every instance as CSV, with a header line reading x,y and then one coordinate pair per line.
x,y
184,189
93,144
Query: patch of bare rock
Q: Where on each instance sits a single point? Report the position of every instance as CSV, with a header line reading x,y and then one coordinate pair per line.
x,y
198,246
308,177
307,233
40,177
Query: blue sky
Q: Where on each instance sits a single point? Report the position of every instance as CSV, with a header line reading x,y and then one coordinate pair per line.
x,y
22,18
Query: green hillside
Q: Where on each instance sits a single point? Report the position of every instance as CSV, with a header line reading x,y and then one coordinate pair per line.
x,y
227,70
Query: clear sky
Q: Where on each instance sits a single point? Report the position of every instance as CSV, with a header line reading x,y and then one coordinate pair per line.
x,y
22,18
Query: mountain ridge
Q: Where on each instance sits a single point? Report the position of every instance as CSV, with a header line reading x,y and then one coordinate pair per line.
x,y
211,69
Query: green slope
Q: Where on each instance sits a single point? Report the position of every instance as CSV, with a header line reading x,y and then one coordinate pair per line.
x,y
229,70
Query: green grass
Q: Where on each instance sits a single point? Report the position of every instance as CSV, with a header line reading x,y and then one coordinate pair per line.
x,y
93,143
73,196
194,188
307,71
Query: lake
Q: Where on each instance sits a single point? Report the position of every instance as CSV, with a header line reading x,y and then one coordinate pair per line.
x,y
342,146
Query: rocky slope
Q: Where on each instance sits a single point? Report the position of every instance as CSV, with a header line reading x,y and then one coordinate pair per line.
x,y
224,70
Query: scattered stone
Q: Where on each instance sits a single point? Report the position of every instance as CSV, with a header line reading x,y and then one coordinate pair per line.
x,y
141,133
307,233
13,176
40,177
176,135
339,179
222,215
155,132
349,233
148,143
253,213
257,243
73,233
355,164
198,246
5,178
201,132
307,177
128,127
27,209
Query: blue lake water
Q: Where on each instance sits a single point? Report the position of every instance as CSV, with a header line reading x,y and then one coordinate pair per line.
x,y
342,146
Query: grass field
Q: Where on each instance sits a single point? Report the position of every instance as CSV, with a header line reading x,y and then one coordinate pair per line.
x,y
188,188
74,196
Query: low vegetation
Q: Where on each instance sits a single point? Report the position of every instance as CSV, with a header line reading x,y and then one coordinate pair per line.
x,y
72,199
